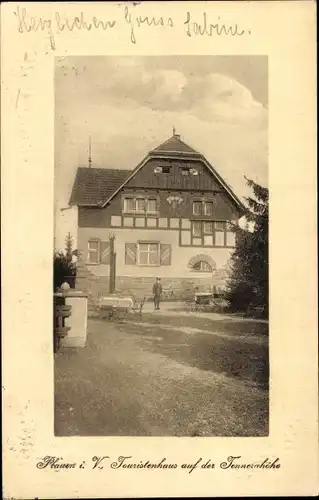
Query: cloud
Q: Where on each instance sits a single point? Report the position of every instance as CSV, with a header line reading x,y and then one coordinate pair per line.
x,y
126,82
220,98
129,108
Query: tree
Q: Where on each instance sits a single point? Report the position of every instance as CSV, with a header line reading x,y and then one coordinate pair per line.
x,y
64,269
68,246
247,286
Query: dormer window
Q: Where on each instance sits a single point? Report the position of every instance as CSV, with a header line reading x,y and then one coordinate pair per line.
x,y
188,171
185,170
164,169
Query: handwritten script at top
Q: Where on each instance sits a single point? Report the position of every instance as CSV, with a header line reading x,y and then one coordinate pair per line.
x,y
192,26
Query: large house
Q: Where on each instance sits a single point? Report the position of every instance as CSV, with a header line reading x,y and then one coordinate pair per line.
x,y
171,217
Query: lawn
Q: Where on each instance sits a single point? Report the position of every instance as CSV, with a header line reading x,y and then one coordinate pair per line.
x,y
179,375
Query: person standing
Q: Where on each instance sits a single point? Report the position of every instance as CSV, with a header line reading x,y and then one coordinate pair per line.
x,y
157,292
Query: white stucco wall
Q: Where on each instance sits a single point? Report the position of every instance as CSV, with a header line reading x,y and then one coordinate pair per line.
x,y
180,256
66,221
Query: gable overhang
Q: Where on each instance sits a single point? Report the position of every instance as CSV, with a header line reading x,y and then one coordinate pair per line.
x,y
191,156
136,169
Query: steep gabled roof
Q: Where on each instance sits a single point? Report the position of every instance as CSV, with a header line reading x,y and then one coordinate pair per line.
x,y
174,145
98,186
92,186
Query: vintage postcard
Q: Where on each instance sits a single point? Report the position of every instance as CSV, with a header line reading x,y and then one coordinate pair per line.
x,y
159,249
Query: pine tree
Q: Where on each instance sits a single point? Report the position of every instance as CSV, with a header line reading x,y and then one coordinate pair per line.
x,y
248,283
68,247
63,267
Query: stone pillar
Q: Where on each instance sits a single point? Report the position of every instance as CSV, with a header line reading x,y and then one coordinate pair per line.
x,y
77,321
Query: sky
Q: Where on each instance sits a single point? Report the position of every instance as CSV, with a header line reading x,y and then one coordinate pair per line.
x,y
129,105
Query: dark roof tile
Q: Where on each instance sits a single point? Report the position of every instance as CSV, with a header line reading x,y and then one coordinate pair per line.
x,y
174,145
92,186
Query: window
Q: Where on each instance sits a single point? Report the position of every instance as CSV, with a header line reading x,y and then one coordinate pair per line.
x,y
129,205
208,227
197,229
208,208
140,205
185,170
162,170
98,252
210,233
148,254
93,252
151,206
220,226
203,208
197,208
202,266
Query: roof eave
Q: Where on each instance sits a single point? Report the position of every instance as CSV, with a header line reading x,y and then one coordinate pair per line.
x,y
134,171
174,153
239,204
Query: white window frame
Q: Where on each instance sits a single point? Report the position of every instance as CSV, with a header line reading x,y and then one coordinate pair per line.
x,y
148,253
205,208
210,270
200,224
126,199
201,207
146,205
136,210
95,251
216,228
185,170
135,201
204,231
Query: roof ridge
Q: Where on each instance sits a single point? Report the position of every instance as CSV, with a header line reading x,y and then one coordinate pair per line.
x,y
174,144
106,168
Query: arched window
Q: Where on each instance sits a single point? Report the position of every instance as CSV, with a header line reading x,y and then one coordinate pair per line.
x,y
202,266
202,263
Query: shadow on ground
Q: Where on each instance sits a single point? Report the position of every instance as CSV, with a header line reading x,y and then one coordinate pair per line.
x,y
223,349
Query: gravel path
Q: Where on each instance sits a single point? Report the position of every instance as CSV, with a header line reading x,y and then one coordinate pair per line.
x,y
163,378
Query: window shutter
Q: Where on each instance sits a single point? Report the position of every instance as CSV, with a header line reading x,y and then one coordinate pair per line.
x,y
130,253
165,255
105,252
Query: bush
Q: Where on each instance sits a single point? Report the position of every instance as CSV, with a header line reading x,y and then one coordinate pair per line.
x,y
64,270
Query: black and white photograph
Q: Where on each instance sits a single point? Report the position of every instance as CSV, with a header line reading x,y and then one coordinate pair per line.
x,y
159,250
161,246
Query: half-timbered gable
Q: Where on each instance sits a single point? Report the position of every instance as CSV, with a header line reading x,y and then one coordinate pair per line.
x,y
172,215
